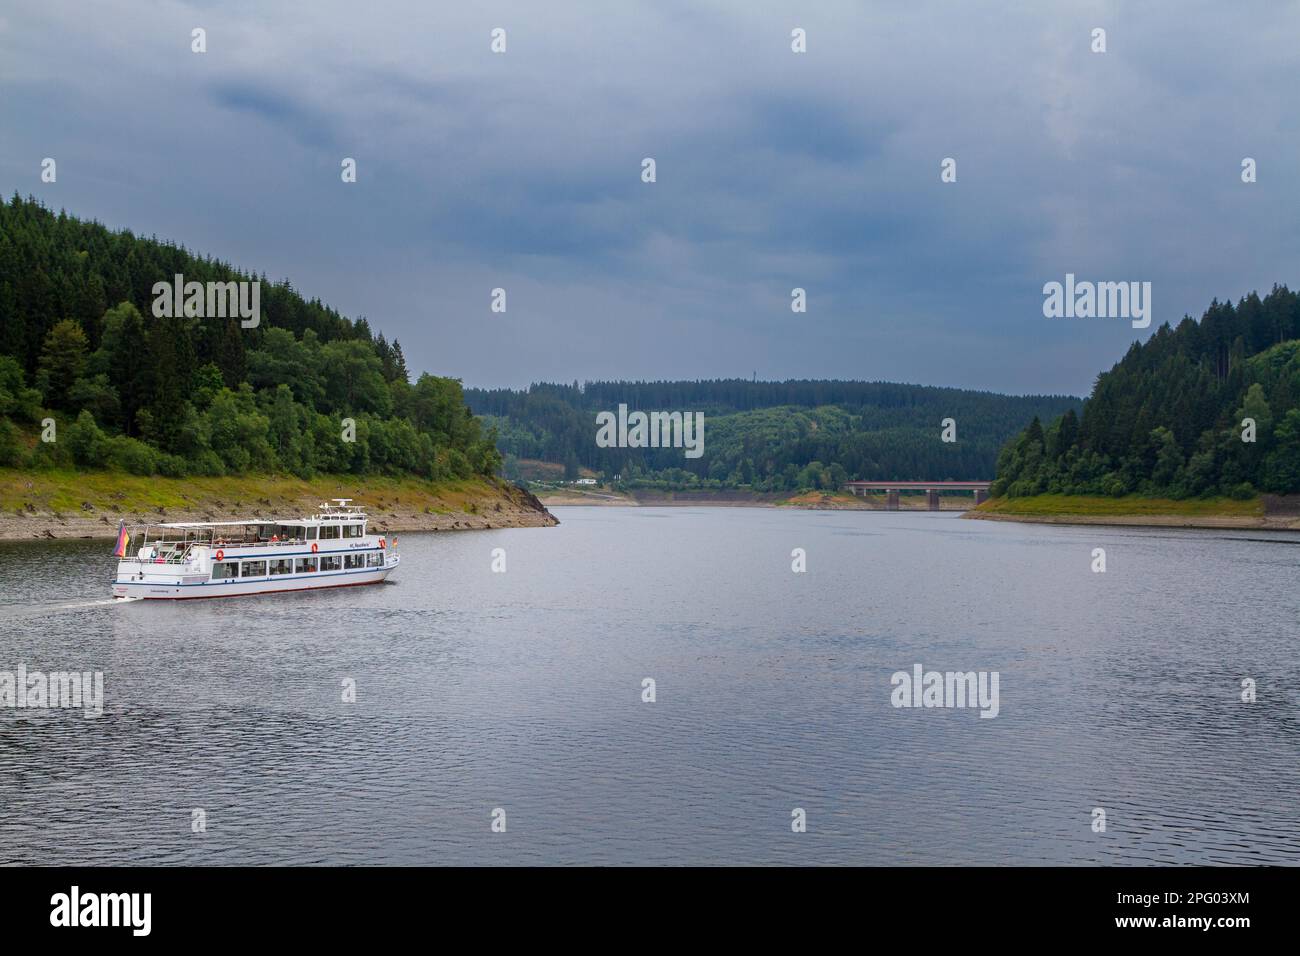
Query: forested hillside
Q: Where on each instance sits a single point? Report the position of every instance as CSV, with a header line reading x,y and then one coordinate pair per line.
x,y
79,344
1168,419
768,436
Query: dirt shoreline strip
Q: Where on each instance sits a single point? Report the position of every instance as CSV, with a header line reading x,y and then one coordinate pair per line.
x,y
1281,514
27,527
1249,522
686,499
483,507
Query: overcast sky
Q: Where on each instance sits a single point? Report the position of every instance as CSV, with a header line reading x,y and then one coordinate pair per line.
x,y
820,170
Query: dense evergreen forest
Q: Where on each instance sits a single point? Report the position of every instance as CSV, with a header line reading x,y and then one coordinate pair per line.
x,y
79,344
767,436
1169,419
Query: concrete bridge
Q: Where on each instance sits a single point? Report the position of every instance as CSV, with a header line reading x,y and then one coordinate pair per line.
x,y
931,489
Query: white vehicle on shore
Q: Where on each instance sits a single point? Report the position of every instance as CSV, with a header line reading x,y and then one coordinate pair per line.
x,y
258,556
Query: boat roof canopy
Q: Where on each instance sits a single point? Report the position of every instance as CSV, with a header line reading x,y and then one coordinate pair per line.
x,y
341,510
305,522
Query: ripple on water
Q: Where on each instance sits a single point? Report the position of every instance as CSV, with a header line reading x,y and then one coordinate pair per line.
x,y
522,690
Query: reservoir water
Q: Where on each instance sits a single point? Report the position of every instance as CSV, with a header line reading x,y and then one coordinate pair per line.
x,y
478,690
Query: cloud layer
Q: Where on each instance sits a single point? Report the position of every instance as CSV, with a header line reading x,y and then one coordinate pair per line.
x,y
775,170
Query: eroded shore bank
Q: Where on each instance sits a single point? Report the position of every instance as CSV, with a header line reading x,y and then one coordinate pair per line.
x,y
92,504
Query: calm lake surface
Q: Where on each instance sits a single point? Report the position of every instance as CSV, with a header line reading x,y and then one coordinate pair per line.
x,y
522,690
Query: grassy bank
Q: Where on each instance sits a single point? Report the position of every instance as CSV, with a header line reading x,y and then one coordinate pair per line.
x,y
1130,505
1267,512
80,504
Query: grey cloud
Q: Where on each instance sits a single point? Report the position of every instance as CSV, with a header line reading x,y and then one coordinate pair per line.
x,y
820,170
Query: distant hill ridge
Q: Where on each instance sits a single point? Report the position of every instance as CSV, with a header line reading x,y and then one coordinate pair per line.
x,y
767,436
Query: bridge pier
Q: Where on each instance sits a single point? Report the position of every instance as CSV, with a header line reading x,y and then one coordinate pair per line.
x,y
932,499
981,496
891,500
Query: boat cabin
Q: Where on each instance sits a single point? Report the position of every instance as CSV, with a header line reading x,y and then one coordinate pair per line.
x,y
176,543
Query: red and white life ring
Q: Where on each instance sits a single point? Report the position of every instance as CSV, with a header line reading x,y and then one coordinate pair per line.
x,y
314,547
381,544
221,555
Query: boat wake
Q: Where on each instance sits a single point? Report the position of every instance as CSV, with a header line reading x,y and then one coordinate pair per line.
x,y
17,614
115,600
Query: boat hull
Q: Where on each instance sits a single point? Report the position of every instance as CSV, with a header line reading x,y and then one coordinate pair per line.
x,y
183,590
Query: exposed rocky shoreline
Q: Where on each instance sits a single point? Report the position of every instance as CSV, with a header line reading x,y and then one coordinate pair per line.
x,y
494,506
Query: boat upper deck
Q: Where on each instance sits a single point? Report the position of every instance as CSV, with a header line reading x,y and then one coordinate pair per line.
x,y
331,523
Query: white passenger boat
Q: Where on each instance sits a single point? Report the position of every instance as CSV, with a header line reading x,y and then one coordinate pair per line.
x,y
259,556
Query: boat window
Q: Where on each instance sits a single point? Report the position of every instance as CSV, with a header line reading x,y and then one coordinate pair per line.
x,y
375,559
332,563
352,531
329,531
282,566
252,569
354,560
225,569
306,565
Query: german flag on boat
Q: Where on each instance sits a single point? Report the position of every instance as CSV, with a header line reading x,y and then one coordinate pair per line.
x,y
122,540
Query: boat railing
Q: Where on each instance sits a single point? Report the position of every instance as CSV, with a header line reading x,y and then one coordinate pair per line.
x,y
222,541
239,543
166,547
165,555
